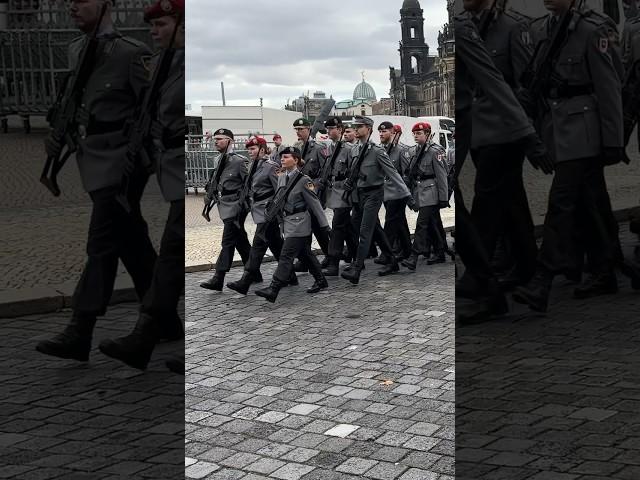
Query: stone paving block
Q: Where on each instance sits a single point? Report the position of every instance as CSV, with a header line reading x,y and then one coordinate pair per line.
x,y
386,471
356,466
292,471
200,469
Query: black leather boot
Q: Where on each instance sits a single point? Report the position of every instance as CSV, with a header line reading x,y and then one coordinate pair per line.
x,y
215,283
170,328
325,262
383,259
74,342
136,348
536,293
271,292
293,280
332,269
176,365
410,262
352,274
596,285
242,285
319,284
389,268
300,267
436,258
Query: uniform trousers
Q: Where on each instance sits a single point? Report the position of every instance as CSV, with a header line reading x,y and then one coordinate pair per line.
x,y
396,227
293,247
321,236
367,223
114,234
233,238
341,233
427,231
267,236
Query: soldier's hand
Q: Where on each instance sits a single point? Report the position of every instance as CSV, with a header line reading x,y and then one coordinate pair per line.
x,y
52,146
443,204
612,155
411,203
537,154
348,185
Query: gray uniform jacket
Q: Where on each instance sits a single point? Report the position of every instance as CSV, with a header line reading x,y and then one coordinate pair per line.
x,y
314,159
508,43
400,157
170,116
429,180
109,99
580,126
337,177
301,203
263,187
375,167
231,181
275,154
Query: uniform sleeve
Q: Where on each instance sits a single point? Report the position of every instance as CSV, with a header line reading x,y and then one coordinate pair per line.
x,y
440,170
390,171
273,177
313,203
138,74
521,51
607,88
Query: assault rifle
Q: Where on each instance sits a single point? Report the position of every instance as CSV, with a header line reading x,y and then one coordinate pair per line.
x,y
211,188
326,172
139,131
276,204
62,115
416,161
497,8
352,179
317,125
243,198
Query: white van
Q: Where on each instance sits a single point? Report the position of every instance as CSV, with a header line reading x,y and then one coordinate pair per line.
x,y
441,127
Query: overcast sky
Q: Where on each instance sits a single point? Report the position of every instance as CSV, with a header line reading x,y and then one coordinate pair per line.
x,y
278,50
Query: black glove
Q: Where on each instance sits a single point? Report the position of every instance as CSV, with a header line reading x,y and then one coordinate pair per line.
x,y
411,203
537,154
348,185
52,146
612,155
442,204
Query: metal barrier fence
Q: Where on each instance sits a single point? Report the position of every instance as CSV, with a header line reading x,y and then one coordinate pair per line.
x,y
201,158
33,52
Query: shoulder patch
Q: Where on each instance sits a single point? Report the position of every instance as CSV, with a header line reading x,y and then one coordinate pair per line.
x,y
310,186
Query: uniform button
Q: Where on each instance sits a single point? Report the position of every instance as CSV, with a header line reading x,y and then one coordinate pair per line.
x,y
82,104
108,85
586,108
555,103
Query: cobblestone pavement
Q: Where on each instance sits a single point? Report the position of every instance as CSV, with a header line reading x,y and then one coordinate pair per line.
x,y
354,382
202,242
553,397
96,421
42,239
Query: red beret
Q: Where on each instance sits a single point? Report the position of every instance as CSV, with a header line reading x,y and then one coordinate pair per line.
x,y
255,142
397,128
277,135
164,8
421,126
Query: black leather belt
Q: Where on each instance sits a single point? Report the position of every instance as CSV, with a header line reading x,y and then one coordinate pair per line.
x,y
228,192
295,210
257,198
426,177
369,189
96,127
568,91
339,178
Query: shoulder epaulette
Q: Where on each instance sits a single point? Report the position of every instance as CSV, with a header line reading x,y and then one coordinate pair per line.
x,y
517,16
133,41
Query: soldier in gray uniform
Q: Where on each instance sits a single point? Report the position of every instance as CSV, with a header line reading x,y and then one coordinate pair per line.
x,y
108,101
395,222
314,156
263,187
158,314
338,163
300,204
278,147
369,188
500,203
231,179
583,130
426,175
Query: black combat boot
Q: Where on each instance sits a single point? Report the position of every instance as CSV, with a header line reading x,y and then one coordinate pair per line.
x,y
383,259
351,266
630,270
390,267
300,267
596,285
215,283
325,262
176,365
257,277
353,273
242,285
410,262
319,284
436,258
271,292
136,348
536,293
74,342
332,269
293,280
170,329
490,305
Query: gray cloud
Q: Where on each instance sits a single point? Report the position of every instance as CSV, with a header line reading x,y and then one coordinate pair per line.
x,y
277,50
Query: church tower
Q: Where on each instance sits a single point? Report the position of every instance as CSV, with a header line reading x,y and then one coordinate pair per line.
x,y
414,52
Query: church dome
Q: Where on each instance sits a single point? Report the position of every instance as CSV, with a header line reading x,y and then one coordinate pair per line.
x,y
364,91
410,4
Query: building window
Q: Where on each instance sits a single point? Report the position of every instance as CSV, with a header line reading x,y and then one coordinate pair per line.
x,y
362,112
414,64
413,32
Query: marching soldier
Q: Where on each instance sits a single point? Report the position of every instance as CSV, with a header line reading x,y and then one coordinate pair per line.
x,y
159,306
366,180
426,174
583,129
500,202
299,205
395,223
349,133
263,187
230,175
108,101
275,152
314,156
338,163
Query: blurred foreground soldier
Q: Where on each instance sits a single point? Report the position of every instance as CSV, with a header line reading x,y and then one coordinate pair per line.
x,y
426,175
500,202
474,66
278,147
334,174
580,120
314,155
349,133
264,182
158,314
225,184
108,100
369,166
395,222
296,201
